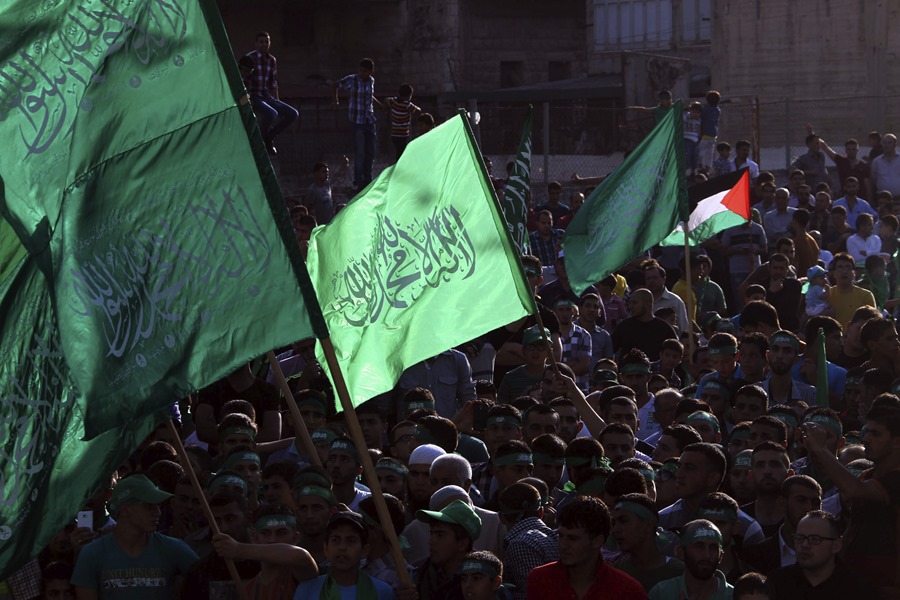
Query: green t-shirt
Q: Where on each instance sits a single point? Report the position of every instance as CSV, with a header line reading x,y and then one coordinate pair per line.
x,y
103,566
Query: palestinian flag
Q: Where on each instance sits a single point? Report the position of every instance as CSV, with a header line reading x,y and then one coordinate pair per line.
x,y
716,205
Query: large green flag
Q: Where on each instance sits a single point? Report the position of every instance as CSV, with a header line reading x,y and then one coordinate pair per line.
x,y
46,470
638,205
517,192
420,262
131,178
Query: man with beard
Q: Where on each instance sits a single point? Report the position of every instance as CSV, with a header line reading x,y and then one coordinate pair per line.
x,y
581,572
634,520
801,494
314,502
817,573
781,387
700,547
873,545
769,468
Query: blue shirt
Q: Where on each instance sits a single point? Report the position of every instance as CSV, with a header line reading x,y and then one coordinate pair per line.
x,y
313,587
836,377
859,208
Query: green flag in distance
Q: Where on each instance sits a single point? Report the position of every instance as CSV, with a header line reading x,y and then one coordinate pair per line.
x,y
516,192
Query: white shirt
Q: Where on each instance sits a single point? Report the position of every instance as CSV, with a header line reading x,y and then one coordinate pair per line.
x,y
861,249
668,299
751,166
648,425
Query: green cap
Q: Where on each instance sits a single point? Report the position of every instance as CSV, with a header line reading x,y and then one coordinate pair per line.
x,y
136,489
455,513
532,335
605,375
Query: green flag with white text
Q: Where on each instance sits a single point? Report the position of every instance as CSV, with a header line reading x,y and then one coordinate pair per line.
x,y
47,471
421,261
516,192
135,175
636,207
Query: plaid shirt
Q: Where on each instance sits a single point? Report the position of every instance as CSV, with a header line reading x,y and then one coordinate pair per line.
x,y
575,345
482,476
529,544
263,81
544,250
26,582
360,100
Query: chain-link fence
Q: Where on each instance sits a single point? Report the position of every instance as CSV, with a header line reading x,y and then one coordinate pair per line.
x,y
589,137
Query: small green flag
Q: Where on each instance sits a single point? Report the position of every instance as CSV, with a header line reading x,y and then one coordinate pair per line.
x,y
419,263
821,371
131,177
517,190
637,206
47,471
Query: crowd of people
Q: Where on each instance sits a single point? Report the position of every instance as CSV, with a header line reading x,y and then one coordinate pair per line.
x,y
656,435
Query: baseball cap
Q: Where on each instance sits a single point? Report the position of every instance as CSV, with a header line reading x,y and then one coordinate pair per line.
x,y
136,489
815,271
532,335
455,513
349,517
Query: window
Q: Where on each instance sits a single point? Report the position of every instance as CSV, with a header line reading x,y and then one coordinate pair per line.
x,y
649,24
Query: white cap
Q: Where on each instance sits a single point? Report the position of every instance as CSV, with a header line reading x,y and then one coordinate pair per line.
x,y
425,454
446,495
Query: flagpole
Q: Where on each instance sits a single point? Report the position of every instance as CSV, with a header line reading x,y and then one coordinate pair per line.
x,y
207,511
300,429
690,290
384,516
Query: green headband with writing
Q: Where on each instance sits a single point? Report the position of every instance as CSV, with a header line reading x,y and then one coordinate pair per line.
x,y
344,447
639,510
247,431
516,458
784,339
314,490
472,566
700,534
504,420
715,386
397,468
420,405
703,416
827,422
789,420
323,436
272,521
240,456
743,460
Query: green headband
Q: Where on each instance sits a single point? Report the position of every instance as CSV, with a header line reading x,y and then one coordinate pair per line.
x,y
312,401
784,339
715,385
344,447
827,422
648,473
743,460
704,416
240,456
270,521
639,510
504,419
393,467
542,458
729,514
516,458
700,534
217,482
239,430
314,490
420,405
323,435
471,566
580,461
722,350
634,367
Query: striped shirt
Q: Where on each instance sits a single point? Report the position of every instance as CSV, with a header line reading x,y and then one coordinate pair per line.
x,y
360,99
264,79
401,116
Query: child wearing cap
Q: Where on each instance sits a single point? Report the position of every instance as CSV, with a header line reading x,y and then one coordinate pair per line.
x,y
346,543
817,293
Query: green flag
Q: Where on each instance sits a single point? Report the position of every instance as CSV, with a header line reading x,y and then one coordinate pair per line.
x,y
46,471
517,192
132,179
638,205
821,371
420,262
